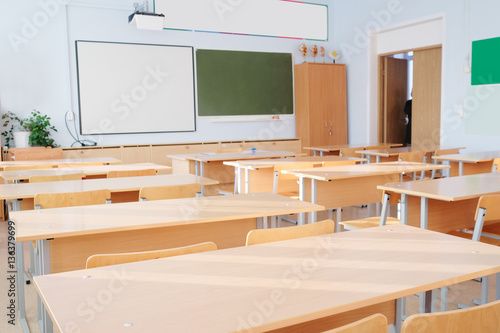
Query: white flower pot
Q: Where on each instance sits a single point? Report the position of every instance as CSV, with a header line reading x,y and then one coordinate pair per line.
x,y
21,139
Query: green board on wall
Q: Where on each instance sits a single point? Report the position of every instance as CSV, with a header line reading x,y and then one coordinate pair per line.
x,y
235,83
486,61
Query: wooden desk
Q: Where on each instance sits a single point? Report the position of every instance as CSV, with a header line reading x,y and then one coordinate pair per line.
x,y
263,175
392,154
303,285
445,204
90,171
211,164
65,237
341,186
470,163
61,162
335,150
122,189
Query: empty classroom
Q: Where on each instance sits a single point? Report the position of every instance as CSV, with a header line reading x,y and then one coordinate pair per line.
x,y
222,166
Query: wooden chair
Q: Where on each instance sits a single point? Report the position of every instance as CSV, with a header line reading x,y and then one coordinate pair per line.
x,y
484,319
56,178
350,152
132,173
487,214
260,236
373,324
414,156
371,222
56,200
169,192
441,152
100,260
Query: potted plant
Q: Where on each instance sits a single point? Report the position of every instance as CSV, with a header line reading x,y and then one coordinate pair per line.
x,y
40,128
14,131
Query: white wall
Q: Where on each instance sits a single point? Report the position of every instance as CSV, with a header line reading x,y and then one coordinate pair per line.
x,y
38,71
470,114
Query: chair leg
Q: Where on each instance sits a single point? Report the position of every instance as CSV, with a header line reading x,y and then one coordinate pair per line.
x,y
385,209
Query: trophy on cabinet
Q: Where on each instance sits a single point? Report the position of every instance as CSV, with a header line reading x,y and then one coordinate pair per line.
x,y
303,50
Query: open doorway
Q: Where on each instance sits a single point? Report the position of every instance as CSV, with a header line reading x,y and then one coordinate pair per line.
x,y
410,97
396,84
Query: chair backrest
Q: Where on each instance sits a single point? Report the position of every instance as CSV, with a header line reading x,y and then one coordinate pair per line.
x,y
484,319
34,153
26,167
491,204
260,236
441,152
496,164
56,178
350,152
57,200
373,324
169,192
414,156
132,173
100,260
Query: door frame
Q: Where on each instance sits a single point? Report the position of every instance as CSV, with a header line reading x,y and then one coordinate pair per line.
x,y
374,83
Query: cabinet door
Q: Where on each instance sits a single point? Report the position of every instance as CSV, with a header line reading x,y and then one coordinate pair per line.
x,y
328,110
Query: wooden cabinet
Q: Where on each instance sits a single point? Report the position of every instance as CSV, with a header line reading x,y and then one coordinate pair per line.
x,y
321,104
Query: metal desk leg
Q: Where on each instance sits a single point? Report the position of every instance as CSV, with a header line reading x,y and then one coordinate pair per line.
x,y
400,313
20,277
44,269
196,168
424,213
385,209
302,197
321,153
313,216
236,176
498,287
425,302
315,153
338,218
247,181
444,299
460,168
485,288
404,209
377,159
276,178
202,174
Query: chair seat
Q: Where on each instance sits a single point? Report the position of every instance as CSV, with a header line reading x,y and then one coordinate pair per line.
x,y
370,222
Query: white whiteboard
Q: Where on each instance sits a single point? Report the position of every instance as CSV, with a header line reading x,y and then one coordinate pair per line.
x,y
277,18
135,88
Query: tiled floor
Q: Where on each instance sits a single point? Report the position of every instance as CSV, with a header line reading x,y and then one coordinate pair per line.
x,y
463,293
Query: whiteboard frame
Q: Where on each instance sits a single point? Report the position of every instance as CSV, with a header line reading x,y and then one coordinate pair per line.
x,y
195,104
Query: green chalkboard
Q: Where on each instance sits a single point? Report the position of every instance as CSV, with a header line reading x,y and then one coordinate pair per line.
x,y
486,61
235,83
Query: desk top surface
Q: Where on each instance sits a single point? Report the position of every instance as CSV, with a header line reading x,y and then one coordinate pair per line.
x,y
125,184
299,280
363,170
390,152
87,170
243,155
90,160
449,189
271,163
472,157
336,148
86,220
